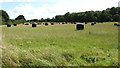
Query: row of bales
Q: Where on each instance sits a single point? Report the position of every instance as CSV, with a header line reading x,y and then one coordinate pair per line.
x,y
81,26
8,25
78,26
46,24
40,23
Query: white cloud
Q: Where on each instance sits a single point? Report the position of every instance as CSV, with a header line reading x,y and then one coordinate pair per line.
x,y
31,12
23,0
16,0
119,4
6,0
61,7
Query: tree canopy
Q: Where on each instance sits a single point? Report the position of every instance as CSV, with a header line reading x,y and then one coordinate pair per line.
x,y
4,16
110,14
20,17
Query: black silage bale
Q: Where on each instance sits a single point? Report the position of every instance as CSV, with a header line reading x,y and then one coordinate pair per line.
x,y
92,23
52,23
38,23
8,25
26,24
63,23
115,24
80,27
46,24
66,23
15,24
74,22
34,25
118,24
85,22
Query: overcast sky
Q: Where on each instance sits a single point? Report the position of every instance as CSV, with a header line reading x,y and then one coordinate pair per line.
x,y
36,9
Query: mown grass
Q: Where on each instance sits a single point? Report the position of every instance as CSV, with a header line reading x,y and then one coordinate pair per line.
x,y
60,45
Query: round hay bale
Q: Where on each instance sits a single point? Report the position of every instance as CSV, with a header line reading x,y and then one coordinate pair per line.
x,y
118,24
66,23
62,22
115,24
15,24
85,22
46,24
92,23
39,23
34,25
52,23
26,24
8,25
80,27
74,22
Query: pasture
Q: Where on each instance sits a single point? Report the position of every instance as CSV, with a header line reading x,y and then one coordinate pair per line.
x,y
60,45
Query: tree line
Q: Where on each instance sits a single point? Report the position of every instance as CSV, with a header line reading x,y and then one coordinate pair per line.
x,y
4,19
108,15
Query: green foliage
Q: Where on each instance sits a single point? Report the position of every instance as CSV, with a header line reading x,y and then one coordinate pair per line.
x,y
110,14
10,22
90,16
20,17
4,16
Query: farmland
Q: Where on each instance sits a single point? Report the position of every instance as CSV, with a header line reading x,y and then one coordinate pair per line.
x,y
60,45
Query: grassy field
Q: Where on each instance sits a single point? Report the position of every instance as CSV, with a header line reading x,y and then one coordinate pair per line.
x,y
60,45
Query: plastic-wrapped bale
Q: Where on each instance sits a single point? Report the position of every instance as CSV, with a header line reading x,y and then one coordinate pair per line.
x,y
85,22
34,25
118,24
15,24
66,23
8,25
38,23
92,23
52,23
62,22
115,24
26,24
46,24
74,22
80,27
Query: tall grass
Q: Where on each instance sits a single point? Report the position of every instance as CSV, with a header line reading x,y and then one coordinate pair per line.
x,y
60,45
